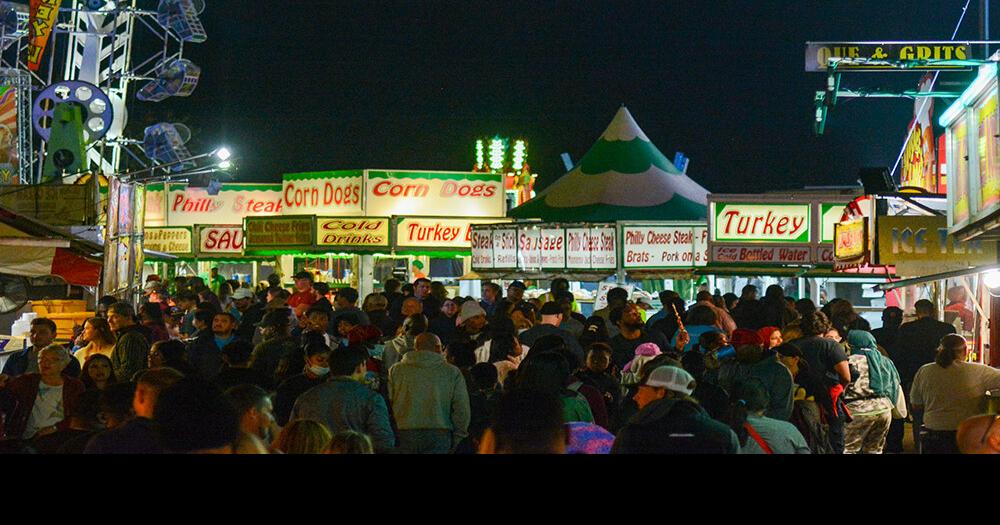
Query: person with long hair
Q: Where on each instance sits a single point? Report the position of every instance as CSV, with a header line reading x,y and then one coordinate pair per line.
x,y
870,397
302,436
757,433
97,373
948,391
98,337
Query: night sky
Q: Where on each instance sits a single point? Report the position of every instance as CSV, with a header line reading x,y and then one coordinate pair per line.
x,y
315,85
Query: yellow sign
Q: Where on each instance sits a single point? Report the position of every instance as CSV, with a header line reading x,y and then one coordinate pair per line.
x,y
168,240
920,245
371,232
850,240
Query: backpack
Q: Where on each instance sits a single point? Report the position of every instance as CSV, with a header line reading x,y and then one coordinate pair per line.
x,y
806,417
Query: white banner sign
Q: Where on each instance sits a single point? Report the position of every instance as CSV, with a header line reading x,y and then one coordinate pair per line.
x,y
189,206
322,193
578,248
603,247
505,248
220,240
156,208
436,232
529,248
553,248
416,193
601,300
482,249
664,246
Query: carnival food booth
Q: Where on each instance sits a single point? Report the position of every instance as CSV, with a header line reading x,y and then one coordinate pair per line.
x,y
787,239
203,230
360,227
905,237
624,215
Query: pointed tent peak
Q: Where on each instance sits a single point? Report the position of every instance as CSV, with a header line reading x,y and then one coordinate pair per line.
x,y
623,127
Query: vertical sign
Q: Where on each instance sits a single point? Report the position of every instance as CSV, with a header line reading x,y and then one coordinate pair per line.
x,y
578,248
603,247
41,20
482,248
553,248
505,248
529,248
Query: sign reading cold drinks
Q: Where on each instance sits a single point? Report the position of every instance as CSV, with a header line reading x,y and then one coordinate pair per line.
x,y
367,232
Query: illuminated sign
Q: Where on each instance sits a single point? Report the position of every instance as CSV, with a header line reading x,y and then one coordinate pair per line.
x,y
770,222
664,246
220,240
417,193
41,21
762,254
857,56
344,232
851,240
186,206
436,233
277,233
921,245
322,193
175,241
482,248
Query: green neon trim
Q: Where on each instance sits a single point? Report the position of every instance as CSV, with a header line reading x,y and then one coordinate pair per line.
x,y
416,175
319,175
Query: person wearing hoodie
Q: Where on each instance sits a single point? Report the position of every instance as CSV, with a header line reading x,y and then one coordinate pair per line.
x,y
643,354
397,347
871,397
429,399
670,421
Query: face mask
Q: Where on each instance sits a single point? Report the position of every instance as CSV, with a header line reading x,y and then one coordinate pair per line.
x,y
319,370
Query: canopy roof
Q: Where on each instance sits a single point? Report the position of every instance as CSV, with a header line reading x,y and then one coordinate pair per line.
x,y
623,177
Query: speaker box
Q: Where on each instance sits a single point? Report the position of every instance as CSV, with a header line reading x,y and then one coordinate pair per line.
x,y
876,181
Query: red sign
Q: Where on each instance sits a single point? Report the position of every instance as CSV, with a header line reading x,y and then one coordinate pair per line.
x,y
763,254
42,18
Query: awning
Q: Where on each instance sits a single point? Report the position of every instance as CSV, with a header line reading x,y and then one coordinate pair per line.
x,y
936,277
38,261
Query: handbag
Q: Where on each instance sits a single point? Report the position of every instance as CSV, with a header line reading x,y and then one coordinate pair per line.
x,y
899,410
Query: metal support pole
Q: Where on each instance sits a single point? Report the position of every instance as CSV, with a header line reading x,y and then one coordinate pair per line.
x,y
366,275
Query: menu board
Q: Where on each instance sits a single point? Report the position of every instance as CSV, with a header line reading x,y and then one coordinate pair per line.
x,y
653,246
505,248
988,153
603,245
529,248
279,232
482,248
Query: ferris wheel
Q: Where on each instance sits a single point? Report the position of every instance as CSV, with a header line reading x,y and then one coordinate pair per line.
x,y
77,94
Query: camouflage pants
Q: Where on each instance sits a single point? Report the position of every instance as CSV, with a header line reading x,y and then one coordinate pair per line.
x,y
866,434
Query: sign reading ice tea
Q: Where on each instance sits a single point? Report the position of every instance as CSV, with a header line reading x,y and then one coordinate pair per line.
x,y
419,193
220,240
367,232
918,245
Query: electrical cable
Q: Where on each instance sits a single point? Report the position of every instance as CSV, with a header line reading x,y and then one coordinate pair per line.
x,y
923,104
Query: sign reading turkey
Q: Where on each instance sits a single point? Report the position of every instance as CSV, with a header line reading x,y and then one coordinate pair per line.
x,y
434,232
778,222
220,240
419,193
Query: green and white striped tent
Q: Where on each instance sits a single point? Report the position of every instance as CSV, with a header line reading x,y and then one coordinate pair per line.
x,y
623,177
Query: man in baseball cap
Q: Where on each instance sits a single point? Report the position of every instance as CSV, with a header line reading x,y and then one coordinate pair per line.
x,y
246,312
515,291
670,421
304,295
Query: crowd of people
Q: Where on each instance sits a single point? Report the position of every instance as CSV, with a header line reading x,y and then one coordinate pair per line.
x,y
223,368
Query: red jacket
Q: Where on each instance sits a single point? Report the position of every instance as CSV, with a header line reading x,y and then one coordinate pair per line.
x,y
19,398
